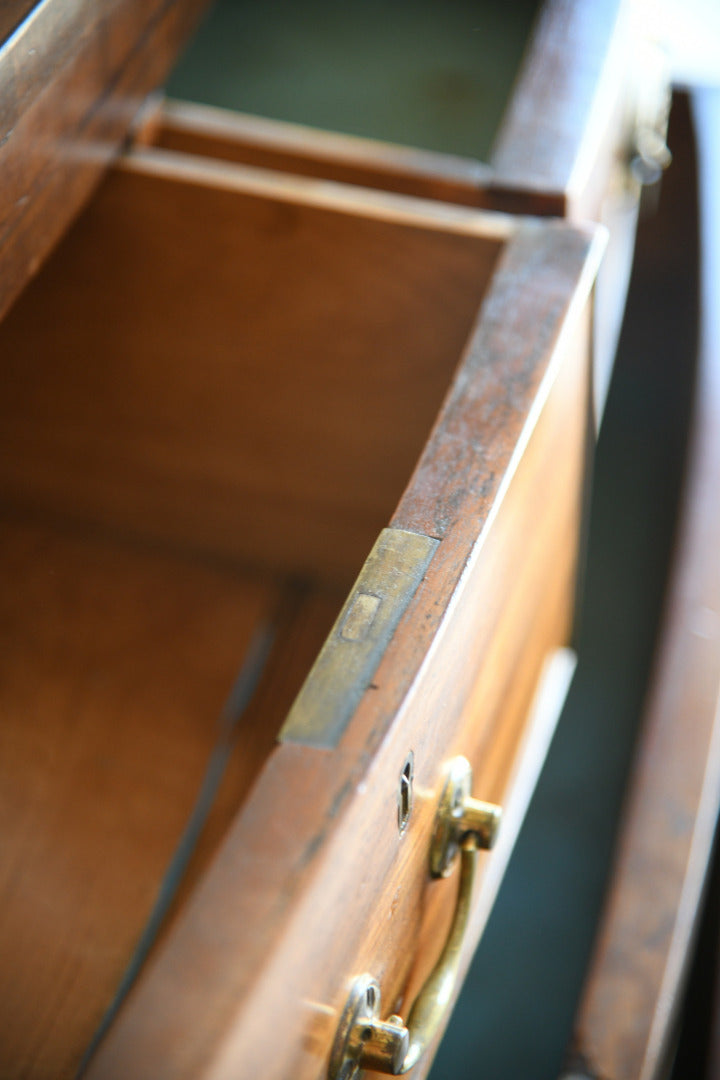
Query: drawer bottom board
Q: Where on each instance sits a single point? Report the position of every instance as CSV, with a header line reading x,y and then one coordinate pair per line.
x,y
116,694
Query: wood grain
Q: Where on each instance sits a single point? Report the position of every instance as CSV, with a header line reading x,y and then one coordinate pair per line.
x,y
626,1020
565,135
253,369
282,920
250,140
115,667
221,301
563,148
566,139
73,75
566,121
306,617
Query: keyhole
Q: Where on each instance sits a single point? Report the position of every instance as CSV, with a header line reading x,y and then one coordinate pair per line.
x,y
405,793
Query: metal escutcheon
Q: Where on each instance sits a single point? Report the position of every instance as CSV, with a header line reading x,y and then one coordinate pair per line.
x,y
463,826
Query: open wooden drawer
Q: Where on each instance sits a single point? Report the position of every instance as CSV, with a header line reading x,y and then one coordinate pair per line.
x,y
529,105
555,108
223,386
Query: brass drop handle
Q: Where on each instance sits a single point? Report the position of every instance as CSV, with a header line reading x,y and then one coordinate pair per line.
x,y
363,1041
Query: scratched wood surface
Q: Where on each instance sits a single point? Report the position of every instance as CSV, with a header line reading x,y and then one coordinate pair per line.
x,y
281,920
626,1020
241,324
73,75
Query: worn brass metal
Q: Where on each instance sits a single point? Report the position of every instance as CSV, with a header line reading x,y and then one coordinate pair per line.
x,y
363,1041
458,814
362,1035
381,1045
350,656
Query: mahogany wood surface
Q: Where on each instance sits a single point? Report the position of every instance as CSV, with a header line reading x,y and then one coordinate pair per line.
x,y
625,1026
567,121
567,137
313,884
233,364
303,620
521,403
564,146
116,665
559,135
73,74
254,367
250,140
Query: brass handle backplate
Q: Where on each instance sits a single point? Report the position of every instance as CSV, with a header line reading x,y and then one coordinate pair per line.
x,y
463,825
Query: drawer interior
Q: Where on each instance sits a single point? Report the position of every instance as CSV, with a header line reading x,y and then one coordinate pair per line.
x,y
239,363
435,76
213,396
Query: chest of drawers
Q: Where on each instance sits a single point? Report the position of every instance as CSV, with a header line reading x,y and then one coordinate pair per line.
x,y
230,381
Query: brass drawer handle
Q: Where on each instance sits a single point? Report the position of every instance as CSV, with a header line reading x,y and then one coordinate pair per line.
x,y
363,1041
